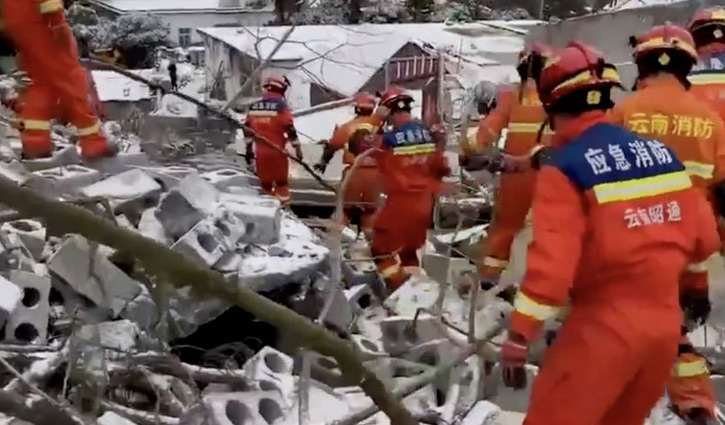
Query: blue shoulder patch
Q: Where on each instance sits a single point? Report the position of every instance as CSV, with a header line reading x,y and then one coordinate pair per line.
x,y
606,153
268,105
409,134
715,62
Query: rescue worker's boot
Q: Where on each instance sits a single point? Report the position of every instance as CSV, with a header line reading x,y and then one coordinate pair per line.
x,y
94,144
689,388
281,191
36,144
390,269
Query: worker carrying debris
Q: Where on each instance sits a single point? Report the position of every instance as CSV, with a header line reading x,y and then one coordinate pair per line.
x,y
268,128
47,51
412,166
664,58
355,137
520,112
616,221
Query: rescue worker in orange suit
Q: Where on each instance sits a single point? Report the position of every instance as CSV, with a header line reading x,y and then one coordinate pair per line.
x,y
708,75
362,191
616,221
520,112
664,58
47,51
268,129
412,166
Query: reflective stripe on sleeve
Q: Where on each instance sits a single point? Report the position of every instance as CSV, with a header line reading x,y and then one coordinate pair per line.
x,y
390,271
699,169
533,309
38,125
690,369
642,188
51,6
697,79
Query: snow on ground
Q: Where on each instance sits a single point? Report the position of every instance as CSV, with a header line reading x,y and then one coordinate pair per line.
x,y
191,82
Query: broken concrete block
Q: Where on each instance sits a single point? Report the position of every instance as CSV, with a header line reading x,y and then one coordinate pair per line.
x,y
199,192
97,279
169,177
68,179
31,232
151,227
420,340
177,215
129,191
123,161
14,255
357,267
226,177
231,226
418,292
205,243
230,261
253,408
16,172
270,364
242,190
29,322
117,337
262,216
483,413
367,348
62,155
110,418
339,316
141,310
359,297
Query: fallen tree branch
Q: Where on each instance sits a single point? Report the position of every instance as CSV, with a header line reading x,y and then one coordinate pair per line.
x,y
138,416
180,272
216,112
35,411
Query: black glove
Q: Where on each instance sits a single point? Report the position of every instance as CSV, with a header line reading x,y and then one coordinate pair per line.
x,y
484,161
696,306
541,157
320,167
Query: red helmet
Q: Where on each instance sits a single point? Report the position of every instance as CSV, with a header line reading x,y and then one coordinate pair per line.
x,y
576,68
364,101
707,17
395,97
664,38
276,84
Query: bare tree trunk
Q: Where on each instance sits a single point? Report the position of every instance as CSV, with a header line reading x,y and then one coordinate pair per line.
x,y
159,260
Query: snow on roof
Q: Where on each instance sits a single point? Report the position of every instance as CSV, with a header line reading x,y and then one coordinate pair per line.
x,y
634,4
175,6
112,86
344,57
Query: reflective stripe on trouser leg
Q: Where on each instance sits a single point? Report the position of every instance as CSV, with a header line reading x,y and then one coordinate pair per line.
x,y
281,190
50,6
391,271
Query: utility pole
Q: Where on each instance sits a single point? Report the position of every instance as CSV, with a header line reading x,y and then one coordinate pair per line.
x,y
541,9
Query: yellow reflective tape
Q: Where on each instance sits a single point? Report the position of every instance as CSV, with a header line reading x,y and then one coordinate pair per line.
x,y
414,149
87,131
697,267
412,270
690,369
699,169
642,188
698,79
660,42
527,127
390,271
533,309
262,113
51,6
38,125
495,262
609,74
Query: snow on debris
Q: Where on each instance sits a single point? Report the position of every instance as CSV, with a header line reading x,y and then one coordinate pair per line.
x,y
344,57
114,87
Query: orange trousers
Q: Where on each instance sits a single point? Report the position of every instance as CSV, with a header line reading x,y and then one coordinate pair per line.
x,y
363,188
399,230
58,79
273,173
513,202
689,387
604,371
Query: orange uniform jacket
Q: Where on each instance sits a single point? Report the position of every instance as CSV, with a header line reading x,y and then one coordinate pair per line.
x,y
708,79
522,119
688,126
271,119
341,135
31,10
615,223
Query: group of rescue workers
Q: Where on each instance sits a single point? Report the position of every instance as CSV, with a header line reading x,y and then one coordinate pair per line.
x,y
626,200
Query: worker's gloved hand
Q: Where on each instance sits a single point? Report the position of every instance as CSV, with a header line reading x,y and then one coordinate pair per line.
x,y
320,167
514,353
541,155
697,306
